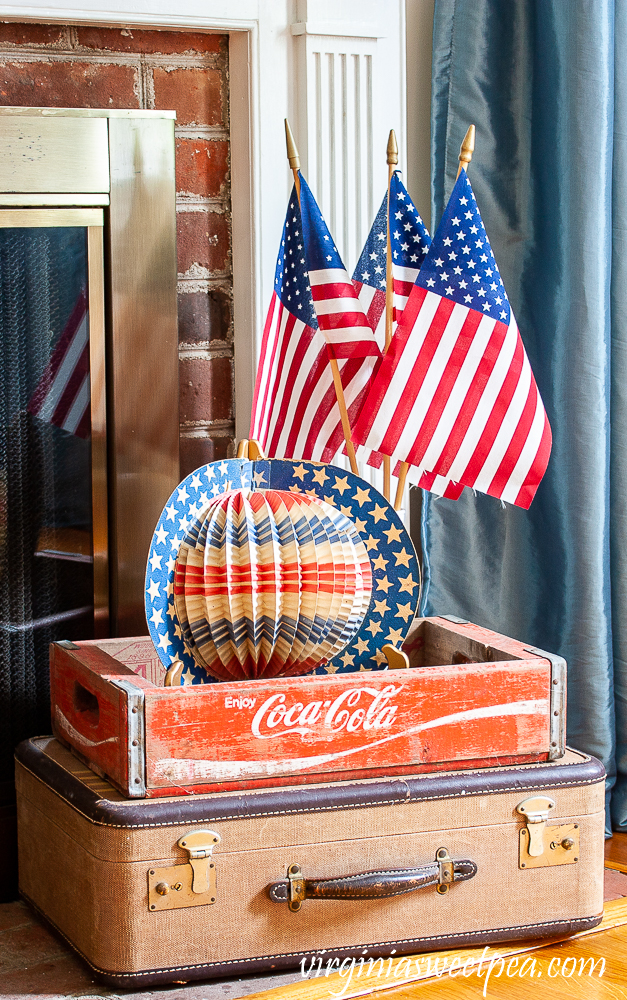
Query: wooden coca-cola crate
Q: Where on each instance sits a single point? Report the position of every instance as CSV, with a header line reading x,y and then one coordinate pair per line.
x,y
470,698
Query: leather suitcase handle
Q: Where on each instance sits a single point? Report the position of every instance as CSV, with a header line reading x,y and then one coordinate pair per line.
x,y
373,885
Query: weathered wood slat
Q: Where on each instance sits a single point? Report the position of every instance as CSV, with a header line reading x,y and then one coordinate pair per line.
x,y
329,725
88,710
485,700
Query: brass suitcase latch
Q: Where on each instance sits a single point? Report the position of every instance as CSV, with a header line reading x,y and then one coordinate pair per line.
x,y
543,846
191,884
446,870
296,887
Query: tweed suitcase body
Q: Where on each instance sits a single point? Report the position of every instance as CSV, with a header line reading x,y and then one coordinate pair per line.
x,y
197,886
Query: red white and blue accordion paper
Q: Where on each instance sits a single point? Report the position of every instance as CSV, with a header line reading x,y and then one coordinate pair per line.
x,y
274,567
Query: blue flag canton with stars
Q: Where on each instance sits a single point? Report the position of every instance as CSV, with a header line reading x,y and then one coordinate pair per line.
x,y
410,238
460,264
321,251
291,280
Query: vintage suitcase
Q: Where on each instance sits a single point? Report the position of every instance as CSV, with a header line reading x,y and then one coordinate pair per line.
x,y
154,890
471,698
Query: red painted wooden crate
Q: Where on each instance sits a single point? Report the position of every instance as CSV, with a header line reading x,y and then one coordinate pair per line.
x,y
471,698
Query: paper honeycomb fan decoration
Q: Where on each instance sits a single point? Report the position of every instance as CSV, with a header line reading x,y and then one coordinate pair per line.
x,y
270,583
267,567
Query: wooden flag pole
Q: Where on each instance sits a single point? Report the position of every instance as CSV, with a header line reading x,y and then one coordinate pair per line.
x,y
294,162
392,160
465,156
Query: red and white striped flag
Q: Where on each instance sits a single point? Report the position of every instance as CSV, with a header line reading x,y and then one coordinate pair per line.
x,y
314,315
455,396
410,242
62,395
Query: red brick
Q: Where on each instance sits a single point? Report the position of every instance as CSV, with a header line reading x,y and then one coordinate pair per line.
x,y
206,389
195,94
15,914
195,452
67,85
202,238
31,34
202,166
60,977
204,316
134,40
615,885
21,947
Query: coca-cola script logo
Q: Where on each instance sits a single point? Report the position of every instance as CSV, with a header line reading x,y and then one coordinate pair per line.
x,y
354,709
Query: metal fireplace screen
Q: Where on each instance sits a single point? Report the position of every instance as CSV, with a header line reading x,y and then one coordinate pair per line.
x,y
88,385
46,560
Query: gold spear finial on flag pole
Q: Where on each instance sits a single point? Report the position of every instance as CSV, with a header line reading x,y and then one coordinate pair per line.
x,y
392,160
392,149
294,162
466,150
292,156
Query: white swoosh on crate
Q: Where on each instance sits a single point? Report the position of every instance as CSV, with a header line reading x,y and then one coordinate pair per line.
x,y
189,769
74,735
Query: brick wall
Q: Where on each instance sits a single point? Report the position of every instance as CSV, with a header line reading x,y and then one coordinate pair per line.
x,y
65,66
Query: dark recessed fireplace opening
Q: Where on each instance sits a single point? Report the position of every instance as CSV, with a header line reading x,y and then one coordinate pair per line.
x,y
90,362
46,563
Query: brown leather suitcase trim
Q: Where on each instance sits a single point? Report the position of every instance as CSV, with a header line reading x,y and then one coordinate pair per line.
x,y
270,963
137,814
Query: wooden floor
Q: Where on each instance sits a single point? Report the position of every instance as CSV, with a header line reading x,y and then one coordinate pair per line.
x,y
36,964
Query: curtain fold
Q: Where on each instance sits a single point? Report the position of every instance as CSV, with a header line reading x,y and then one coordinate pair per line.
x,y
544,83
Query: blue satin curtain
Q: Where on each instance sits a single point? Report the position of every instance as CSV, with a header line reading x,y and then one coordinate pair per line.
x,y
545,82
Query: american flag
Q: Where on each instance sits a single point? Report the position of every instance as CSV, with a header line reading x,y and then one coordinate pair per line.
x,y
455,395
314,314
62,395
410,242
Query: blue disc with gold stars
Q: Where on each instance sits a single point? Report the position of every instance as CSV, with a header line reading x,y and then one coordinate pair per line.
x,y
395,578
